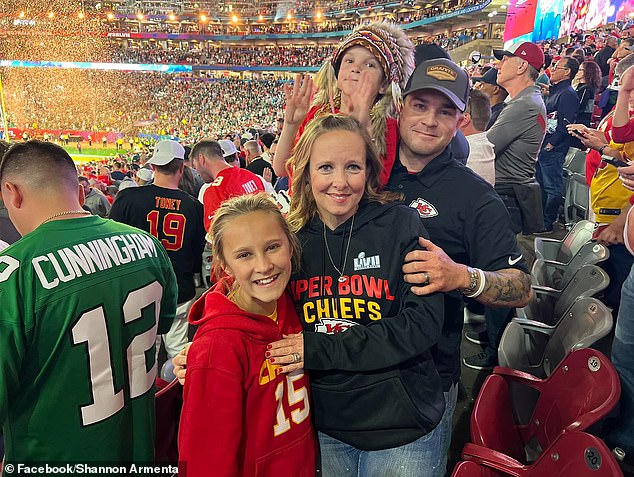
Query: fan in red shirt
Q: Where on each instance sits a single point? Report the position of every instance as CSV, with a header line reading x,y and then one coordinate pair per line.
x,y
224,181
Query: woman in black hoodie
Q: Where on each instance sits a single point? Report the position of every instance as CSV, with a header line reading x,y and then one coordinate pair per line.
x,y
367,338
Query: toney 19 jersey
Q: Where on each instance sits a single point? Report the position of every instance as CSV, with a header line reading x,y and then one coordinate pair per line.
x,y
81,302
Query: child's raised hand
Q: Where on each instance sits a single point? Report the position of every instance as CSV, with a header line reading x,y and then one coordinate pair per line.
x,y
298,97
627,81
287,353
360,103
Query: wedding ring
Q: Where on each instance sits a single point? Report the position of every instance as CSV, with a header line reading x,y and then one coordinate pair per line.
x,y
427,279
296,358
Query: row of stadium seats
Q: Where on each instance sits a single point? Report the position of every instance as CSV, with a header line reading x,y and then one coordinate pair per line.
x,y
564,313
531,415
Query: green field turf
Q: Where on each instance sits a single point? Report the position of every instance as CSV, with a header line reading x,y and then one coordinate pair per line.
x,y
90,153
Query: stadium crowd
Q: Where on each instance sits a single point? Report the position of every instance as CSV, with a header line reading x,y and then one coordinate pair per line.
x,y
68,25
294,27
385,363
114,51
303,56
133,103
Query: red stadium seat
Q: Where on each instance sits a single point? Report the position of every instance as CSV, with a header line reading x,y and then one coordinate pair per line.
x,y
573,454
471,469
582,389
169,400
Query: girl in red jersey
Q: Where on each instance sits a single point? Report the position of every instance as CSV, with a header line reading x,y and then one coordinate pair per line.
x,y
241,417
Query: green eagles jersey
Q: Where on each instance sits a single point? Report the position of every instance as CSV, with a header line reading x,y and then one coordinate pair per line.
x,y
80,303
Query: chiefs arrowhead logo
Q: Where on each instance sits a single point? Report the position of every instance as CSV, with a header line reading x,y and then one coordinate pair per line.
x,y
333,326
424,208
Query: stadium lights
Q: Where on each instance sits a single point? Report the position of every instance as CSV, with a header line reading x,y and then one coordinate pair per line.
x,y
289,17
234,18
51,14
110,16
172,17
21,15
260,18
139,16
203,17
81,15
318,15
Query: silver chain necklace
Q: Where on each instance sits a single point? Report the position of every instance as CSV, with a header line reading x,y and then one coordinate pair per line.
x,y
341,278
68,212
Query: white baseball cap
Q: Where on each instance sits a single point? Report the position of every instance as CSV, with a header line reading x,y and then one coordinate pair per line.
x,y
165,152
228,147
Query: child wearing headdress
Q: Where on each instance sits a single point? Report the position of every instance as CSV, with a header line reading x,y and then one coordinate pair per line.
x,y
363,79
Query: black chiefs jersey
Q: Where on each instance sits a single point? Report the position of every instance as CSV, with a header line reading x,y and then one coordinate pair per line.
x,y
176,219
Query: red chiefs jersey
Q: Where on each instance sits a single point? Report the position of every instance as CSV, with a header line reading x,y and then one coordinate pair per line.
x,y
241,418
230,182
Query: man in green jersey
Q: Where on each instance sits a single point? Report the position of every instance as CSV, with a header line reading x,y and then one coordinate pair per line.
x,y
82,299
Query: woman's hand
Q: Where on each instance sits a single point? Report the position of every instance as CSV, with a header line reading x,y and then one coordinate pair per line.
x,y
592,138
298,97
287,353
180,364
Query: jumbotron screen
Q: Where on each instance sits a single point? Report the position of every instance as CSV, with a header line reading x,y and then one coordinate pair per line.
x,y
536,20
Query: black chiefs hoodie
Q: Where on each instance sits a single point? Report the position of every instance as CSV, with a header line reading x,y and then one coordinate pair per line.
x,y
368,337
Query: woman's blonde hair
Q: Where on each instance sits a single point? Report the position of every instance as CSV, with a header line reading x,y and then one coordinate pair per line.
x,y
237,207
303,206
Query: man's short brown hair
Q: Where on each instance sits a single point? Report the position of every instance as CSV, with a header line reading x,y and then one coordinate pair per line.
x,y
479,108
207,147
38,163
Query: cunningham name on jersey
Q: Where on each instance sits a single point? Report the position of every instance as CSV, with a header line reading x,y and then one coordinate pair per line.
x,y
69,263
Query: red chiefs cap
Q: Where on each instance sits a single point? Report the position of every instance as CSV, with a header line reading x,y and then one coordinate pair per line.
x,y
525,50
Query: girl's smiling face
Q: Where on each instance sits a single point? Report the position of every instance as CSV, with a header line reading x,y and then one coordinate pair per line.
x,y
257,254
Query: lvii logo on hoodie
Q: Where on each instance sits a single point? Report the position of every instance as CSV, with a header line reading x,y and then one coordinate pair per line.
x,y
365,263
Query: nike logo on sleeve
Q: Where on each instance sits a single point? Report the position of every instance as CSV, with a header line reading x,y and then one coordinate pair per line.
x,y
514,261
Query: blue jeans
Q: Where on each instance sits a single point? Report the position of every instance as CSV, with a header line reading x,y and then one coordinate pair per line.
x,y
622,434
550,175
446,425
421,458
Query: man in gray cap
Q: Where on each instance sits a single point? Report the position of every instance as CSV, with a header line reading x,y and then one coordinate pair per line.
x,y
472,250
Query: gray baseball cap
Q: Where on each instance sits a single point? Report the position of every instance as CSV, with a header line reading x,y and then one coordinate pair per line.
x,y
444,76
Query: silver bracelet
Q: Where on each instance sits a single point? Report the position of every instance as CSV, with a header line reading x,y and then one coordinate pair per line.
x,y
481,286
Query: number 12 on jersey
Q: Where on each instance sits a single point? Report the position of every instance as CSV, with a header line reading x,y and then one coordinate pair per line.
x,y
91,329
